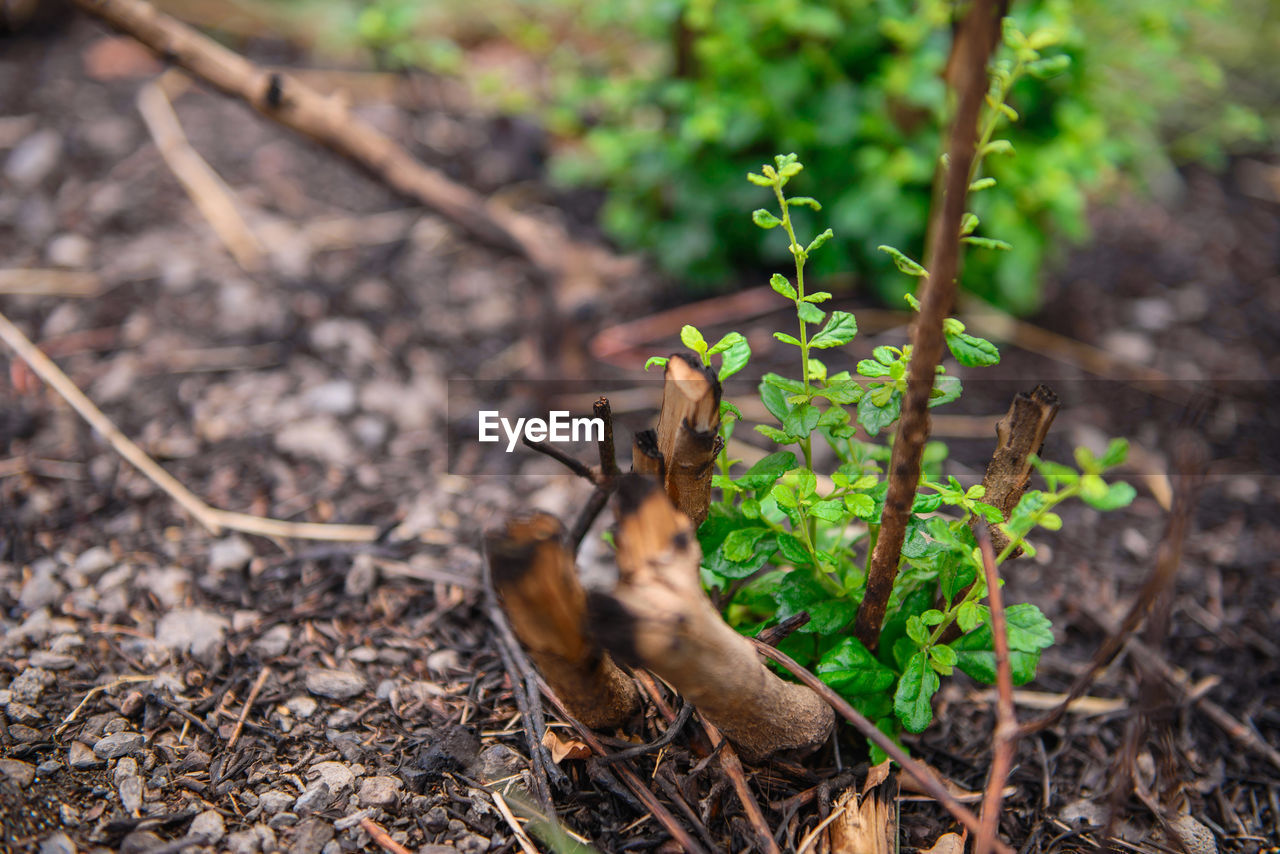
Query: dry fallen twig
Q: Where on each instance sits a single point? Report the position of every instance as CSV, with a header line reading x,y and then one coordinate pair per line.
x,y
248,704
380,836
327,120
213,519
49,282
212,197
732,767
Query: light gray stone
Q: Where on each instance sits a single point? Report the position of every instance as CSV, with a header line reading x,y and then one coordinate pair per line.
x,y
168,585
301,706
22,713
498,762
131,791
316,798
52,660
209,825
20,773
30,684
42,589
319,437
33,159
95,560
361,577
192,630
274,641
244,842
81,757
335,684
69,250
274,801
337,397
58,843
230,554
126,767
338,776
119,744
381,791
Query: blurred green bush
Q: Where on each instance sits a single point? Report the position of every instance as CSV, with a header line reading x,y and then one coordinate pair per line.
x,y
667,103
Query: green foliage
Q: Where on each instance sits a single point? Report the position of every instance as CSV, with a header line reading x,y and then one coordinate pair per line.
x,y
784,540
858,86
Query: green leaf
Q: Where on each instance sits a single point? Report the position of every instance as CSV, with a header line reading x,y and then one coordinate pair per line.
x,y
736,352
875,418
660,361
946,388
851,670
998,146
831,616
988,243
1052,66
780,284
971,351
810,313
968,616
793,550
805,201
786,497
872,368
819,241
911,702
764,473
916,631
798,591
787,339
801,420
818,296
788,385
764,219
840,330
759,180
912,301
982,184
740,545
1029,629
885,355
828,510
1117,495
847,391
975,655
860,505
774,434
1116,453
968,223
692,338
902,262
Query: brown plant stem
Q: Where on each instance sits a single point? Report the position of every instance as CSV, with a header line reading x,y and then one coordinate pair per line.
x,y
975,40
1006,734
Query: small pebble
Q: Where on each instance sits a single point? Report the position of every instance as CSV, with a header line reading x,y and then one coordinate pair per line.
x,y
316,798
274,641
274,801
338,776
22,713
229,554
69,250
311,836
192,630
20,773
381,792
244,842
33,159
119,744
209,825
58,843
301,706
52,660
131,791
335,684
81,757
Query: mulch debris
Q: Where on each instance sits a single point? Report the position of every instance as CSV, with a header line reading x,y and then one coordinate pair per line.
x,y
132,640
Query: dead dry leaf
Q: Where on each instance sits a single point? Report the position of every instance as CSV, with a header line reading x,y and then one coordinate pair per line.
x,y
948,843
563,748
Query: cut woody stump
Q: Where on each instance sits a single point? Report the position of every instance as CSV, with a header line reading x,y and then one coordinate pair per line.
x,y
659,617
687,434
1019,434
537,585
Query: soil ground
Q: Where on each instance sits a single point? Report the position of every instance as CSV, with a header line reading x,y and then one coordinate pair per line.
x,y
322,388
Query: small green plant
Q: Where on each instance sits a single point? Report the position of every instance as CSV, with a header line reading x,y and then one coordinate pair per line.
x,y
784,539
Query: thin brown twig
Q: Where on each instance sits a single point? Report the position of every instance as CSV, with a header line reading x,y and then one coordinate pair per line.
x,y
380,836
637,787
211,518
1168,557
1006,733
248,704
578,467
974,43
732,767
927,781
212,197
